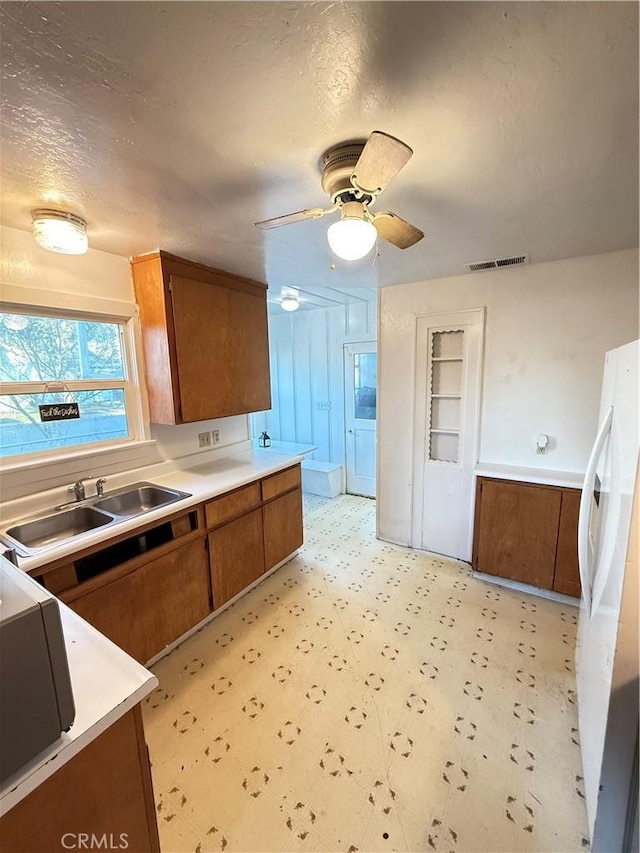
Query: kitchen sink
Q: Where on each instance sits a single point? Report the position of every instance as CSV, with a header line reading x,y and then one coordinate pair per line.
x,y
51,529
137,499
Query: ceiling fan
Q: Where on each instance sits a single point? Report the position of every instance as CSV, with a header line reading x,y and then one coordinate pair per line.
x,y
354,174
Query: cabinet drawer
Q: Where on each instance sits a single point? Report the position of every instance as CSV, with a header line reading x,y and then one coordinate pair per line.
x,y
233,505
280,483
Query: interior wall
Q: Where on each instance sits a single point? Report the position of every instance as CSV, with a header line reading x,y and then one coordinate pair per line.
x,y
97,281
24,264
307,375
548,327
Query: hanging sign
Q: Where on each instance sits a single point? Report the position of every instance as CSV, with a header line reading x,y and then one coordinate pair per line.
x,y
59,412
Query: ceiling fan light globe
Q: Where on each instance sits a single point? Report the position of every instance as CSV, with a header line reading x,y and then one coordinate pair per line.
x,y
351,239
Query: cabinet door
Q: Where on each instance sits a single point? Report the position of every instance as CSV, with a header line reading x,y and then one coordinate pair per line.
x,y
222,349
282,527
105,790
518,529
236,555
146,610
567,576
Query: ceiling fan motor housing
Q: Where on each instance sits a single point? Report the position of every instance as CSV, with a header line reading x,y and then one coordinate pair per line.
x,y
338,164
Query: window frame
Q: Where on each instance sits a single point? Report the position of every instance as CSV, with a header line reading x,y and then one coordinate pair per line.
x,y
132,385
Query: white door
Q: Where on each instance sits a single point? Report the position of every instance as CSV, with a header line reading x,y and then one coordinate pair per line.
x,y
360,386
447,400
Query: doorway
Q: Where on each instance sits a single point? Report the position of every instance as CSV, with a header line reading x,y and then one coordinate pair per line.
x,y
360,388
446,421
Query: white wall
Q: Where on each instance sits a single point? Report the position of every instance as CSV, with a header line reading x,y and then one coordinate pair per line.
x,y
547,329
306,353
27,269
175,442
96,281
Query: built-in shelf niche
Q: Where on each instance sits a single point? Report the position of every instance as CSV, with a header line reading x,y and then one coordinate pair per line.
x,y
445,395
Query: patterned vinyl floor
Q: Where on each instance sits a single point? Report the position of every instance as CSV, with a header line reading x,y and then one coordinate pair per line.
x,y
368,697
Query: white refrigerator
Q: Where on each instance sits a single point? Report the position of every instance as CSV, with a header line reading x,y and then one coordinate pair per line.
x,y
607,648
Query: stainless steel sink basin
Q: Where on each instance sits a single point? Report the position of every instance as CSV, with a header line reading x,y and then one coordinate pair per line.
x,y
137,499
51,529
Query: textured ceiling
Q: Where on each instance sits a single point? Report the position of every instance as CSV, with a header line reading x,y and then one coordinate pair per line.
x,y
177,125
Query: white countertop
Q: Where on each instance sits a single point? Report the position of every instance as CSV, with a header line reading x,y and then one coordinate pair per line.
x,y
287,447
543,476
201,482
106,684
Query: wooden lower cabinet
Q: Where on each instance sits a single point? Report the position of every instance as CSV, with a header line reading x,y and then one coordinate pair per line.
x,y
104,791
528,533
283,531
149,608
567,574
146,598
236,554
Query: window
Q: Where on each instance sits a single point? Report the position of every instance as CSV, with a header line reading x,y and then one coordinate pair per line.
x,y
47,360
365,370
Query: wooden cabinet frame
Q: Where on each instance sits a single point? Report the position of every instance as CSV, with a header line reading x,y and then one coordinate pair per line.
x,y
242,534
106,789
552,560
205,340
278,499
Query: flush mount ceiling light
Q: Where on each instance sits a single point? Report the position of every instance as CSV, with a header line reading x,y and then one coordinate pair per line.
x,y
60,232
354,236
289,303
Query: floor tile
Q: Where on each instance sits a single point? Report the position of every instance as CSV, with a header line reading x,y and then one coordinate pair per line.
x,y
370,697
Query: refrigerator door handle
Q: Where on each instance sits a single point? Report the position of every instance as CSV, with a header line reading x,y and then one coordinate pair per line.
x,y
585,508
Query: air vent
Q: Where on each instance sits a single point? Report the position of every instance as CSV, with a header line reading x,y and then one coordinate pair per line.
x,y
478,266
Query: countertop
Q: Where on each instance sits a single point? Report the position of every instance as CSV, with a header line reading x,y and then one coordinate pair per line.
x,y
106,684
201,482
543,476
287,447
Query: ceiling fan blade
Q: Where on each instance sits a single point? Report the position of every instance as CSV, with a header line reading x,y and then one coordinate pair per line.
x,y
290,218
394,229
382,158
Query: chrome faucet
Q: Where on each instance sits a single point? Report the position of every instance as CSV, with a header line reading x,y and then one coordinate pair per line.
x,y
78,490
100,484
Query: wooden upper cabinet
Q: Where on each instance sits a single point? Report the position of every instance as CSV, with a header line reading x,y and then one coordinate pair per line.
x,y
205,340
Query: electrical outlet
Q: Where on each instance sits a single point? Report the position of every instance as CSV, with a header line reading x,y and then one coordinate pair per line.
x,y
204,439
215,435
324,405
